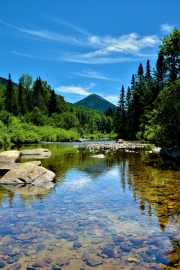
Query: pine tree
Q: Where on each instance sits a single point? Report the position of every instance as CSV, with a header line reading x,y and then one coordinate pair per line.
x,y
22,99
133,83
140,72
120,114
10,99
26,82
52,103
37,95
160,73
128,98
148,71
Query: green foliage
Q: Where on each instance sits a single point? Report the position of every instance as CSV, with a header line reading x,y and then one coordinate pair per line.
x,y
10,98
148,110
170,48
165,120
45,116
153,102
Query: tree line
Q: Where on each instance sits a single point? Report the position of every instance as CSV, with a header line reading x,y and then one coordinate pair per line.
x,y
36,103
150,108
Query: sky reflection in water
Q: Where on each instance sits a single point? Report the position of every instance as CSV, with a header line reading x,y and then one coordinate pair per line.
x,y
116,212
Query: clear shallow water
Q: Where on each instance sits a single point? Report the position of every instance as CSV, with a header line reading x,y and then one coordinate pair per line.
x,y
112,213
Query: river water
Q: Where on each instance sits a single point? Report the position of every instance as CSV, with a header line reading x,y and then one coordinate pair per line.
x,y
120,212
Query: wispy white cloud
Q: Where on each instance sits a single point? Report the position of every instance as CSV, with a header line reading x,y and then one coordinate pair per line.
x,y
99,49
50,36
68,24
108,49
112,99
95,75
80,90
107,60
167,28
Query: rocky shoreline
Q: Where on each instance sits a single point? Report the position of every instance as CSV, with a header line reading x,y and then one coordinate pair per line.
x,y
115,146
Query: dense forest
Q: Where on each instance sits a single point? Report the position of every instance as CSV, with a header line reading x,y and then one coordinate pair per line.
x,y
33,112
149,109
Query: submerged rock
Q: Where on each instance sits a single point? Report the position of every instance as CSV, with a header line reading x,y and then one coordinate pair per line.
x,y
62,261
99,156
94,260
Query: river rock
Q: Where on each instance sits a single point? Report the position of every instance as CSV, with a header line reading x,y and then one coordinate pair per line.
x,y
109,252
99,156
2,264
62,261
125,247
119,141
15,266
27,173
156,150
42,263
94,260
11,156
118,239
39,152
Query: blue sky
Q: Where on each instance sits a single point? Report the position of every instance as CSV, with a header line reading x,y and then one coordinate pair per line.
x,y
83,47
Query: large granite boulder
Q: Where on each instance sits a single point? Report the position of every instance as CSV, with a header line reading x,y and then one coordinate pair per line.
x,y
8,166
27,173
11,156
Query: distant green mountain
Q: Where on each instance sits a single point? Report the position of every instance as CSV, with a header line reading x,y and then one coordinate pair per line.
x,y
3,83
96,102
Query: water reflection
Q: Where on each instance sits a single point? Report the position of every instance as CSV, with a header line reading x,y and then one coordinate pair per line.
x,y
112,213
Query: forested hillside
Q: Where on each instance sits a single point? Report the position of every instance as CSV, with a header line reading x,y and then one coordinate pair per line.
x,y
32,112
96,102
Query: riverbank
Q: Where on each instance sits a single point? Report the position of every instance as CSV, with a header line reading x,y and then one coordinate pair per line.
x,y
128,146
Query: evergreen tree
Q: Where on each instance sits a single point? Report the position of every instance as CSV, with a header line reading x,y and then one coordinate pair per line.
x,y
128,98
148,71
160,73
133,83
135,109
22,102
37,95
52,103
120,115
26,83
140,72
10,98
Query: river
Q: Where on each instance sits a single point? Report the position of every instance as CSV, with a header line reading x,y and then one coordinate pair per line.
x,y
119,212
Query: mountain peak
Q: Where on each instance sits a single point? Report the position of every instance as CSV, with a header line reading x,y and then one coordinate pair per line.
x,y
96,102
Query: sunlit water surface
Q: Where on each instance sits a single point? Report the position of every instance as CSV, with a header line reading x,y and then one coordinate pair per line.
x,y
113,213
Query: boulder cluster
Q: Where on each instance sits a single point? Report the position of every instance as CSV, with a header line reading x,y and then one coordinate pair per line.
x,y
26,173
114,147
